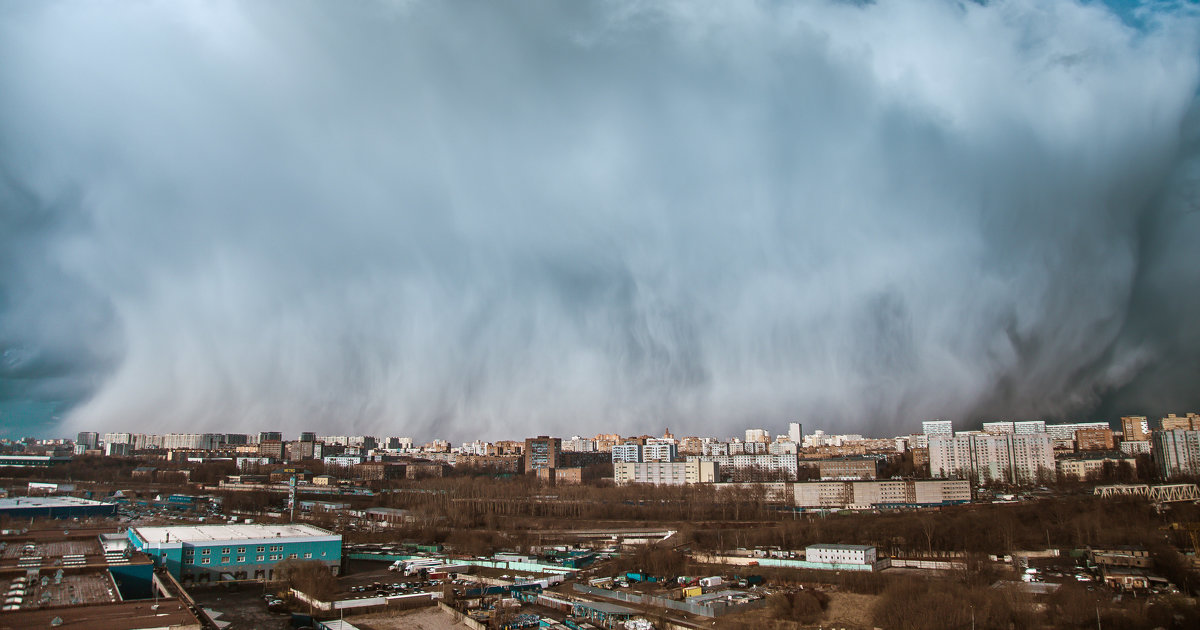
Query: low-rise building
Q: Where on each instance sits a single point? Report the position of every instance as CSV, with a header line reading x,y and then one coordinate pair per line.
x,y
1090,465
841,554
1122,556
557,476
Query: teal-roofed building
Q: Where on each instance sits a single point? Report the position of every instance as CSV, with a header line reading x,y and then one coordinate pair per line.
x,y
211,553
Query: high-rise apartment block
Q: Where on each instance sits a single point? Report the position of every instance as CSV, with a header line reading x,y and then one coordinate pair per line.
x,y
657,451
1029,427
1190,422
665,473
542,452
1095,439
758,435
89,439
626,453
1176,452
998,427
1012,458
1135,428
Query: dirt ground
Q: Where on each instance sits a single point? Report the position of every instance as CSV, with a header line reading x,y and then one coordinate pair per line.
x,y
850,609
418,619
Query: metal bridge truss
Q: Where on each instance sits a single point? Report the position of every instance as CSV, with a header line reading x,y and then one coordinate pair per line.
x,y
1158,494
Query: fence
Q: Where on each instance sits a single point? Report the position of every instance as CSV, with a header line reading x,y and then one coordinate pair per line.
x,y
707,609
461,618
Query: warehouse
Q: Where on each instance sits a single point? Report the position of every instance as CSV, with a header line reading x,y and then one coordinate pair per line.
x,y
211,553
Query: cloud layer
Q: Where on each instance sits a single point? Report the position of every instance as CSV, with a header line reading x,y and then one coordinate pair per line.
x,y
471,219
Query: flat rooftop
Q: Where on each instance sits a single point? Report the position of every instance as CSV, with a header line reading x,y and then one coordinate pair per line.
x,y
836,547
210,533
45,502
121,616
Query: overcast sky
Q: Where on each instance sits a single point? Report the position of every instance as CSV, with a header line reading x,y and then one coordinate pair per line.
x,y
496,219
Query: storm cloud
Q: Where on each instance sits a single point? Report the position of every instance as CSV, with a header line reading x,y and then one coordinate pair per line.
x,y
487,219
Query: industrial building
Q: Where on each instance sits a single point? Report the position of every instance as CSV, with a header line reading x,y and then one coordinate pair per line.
x,y
84,578
210,553
33,461
54,507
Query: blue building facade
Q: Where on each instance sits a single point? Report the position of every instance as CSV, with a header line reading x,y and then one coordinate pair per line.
x,y
211,553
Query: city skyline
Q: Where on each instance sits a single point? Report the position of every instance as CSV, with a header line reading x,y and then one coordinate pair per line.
x,y
418,218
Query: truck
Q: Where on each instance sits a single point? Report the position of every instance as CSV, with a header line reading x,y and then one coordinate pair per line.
x,y
413,566
710,582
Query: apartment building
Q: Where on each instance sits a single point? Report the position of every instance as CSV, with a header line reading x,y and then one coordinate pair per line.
x,y
666,473
849,468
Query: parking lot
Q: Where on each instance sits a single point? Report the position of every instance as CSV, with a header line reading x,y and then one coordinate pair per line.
x,y
364,578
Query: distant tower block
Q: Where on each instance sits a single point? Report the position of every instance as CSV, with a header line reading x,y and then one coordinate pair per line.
x,y
937,427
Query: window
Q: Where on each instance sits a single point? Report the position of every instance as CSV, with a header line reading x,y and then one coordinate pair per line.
x,y
225,551
258,558
224,559
308,555
292,556
260,549
241,558
205,552
204,561
241,550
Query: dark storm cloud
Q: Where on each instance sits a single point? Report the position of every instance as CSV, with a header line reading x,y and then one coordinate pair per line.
x,y
497,219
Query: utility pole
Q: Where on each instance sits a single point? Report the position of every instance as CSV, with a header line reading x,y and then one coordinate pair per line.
x,y
292,499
